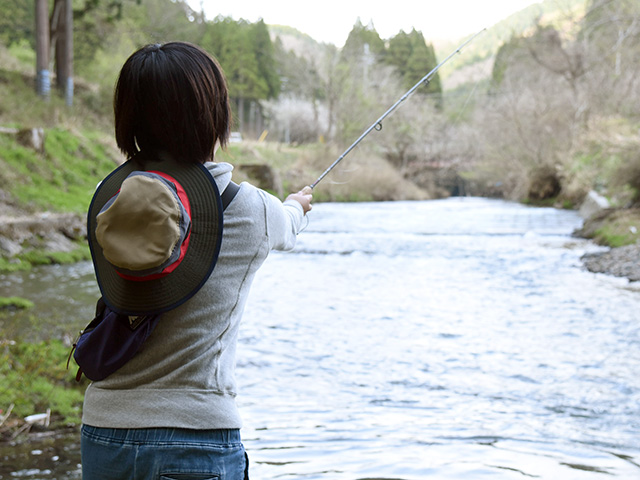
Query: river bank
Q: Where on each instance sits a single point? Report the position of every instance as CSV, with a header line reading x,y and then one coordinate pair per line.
x,y
618,229
618,261
38,393
48,238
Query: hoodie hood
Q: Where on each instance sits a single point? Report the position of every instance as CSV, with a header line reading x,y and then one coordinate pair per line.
x,y
221,173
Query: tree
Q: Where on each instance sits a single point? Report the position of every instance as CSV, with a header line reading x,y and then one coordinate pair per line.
x,y
413,59
264,52
359,36
17,23
62,40
303,88
43,81
58,33
398,52
247,56
611,35
537,110
421,61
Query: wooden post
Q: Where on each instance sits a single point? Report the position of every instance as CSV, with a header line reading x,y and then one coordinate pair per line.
x,y
43,79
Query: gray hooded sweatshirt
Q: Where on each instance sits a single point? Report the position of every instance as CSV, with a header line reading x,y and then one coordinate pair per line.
x,y
183,377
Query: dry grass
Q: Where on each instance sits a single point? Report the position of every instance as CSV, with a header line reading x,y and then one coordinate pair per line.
x,y
360,176
606,159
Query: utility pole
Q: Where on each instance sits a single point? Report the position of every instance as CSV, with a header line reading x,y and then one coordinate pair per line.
x,y
68,46
62,38
43,78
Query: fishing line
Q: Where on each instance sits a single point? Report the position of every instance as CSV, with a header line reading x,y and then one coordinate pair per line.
x,y
377,125
491,59
466,102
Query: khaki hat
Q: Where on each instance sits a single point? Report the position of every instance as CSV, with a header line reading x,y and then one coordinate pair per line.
x,y
155,229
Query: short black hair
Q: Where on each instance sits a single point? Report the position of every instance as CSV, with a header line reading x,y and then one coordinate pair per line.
x,y
172,98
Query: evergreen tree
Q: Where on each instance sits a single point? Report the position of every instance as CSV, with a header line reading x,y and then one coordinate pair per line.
x,y
360,35
247,56
17,22
265,57
398,52
413,59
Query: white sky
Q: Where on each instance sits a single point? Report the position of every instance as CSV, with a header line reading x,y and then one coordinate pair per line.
x,y
331,21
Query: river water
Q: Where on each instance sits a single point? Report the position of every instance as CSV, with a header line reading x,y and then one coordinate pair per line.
x,y
450,339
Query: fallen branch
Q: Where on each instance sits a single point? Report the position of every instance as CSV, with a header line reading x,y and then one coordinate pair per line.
x,y
4,417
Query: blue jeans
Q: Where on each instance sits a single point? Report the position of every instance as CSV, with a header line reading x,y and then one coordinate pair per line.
x,y
162,454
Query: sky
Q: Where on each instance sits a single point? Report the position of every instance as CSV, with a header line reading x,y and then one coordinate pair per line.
x,y
330,21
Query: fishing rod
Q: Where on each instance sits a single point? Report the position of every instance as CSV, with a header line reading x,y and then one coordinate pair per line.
x,y
377,125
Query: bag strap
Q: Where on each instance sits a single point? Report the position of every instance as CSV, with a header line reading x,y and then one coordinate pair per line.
x,y
229,193
227,196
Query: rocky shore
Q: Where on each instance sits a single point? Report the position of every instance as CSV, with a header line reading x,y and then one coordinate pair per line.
x,y
620,261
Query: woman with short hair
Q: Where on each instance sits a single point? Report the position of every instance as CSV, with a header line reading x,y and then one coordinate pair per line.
x,y
162,245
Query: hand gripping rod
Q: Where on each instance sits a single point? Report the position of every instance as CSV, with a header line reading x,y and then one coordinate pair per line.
x,y
378,123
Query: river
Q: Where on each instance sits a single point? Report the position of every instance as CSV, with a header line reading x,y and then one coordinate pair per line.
x,y
449,339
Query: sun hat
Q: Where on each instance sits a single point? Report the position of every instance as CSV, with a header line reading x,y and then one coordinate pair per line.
x,y
154,228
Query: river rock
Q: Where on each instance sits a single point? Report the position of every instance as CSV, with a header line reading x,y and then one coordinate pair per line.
x,y
593,204
54,232
620,262
58,242
32,138
8,247
263,176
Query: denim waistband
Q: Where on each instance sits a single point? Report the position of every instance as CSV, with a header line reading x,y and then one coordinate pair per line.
x,y
163,435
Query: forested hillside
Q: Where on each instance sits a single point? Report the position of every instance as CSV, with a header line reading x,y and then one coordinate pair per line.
x,y
541,107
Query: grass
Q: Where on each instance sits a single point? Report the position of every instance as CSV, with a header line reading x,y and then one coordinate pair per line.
x,y
606,159
15,302
614,228
62,178
12,265
363,176
34,378
619,231
29,258
43,257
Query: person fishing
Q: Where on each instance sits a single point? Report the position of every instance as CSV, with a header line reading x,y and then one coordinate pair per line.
x,y
162,246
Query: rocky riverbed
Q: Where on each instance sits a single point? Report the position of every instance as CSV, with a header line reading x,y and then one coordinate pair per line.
x,y
620,261
622,223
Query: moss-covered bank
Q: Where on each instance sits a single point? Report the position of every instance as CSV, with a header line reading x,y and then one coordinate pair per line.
x,y
33,380
620,230
613,227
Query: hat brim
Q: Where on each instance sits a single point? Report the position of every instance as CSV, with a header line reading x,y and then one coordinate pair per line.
x,y
168,292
